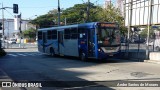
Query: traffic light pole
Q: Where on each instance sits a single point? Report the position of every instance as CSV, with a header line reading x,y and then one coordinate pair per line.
x,y
58,13
20,31
3,25
16,8
88,11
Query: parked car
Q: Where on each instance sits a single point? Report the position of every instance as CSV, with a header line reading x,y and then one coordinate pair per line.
x,y
156,44
150,43
12,41
139,41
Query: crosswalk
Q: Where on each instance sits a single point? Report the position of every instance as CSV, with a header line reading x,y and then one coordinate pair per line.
x,y
25,54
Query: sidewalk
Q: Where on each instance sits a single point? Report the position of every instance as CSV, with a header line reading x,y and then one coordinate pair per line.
x,y
5,78
152,61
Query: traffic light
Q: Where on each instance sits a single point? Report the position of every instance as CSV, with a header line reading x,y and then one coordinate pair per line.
x,y
0,26
15,8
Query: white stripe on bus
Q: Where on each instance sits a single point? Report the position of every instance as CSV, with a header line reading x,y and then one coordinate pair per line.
x,y
12,55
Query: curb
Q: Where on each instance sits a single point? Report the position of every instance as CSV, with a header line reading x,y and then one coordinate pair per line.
x,y
152,61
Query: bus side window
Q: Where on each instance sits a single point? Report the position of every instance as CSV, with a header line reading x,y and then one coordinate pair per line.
x,y
39,35
73,33
81,32
67,34
49,35
54,34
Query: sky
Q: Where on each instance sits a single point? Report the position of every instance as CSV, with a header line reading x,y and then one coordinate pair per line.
x,y
30,9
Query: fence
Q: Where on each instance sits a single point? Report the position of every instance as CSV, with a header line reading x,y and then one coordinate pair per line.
x,y
137,46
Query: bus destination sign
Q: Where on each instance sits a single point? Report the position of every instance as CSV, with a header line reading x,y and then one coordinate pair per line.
x,y
108,25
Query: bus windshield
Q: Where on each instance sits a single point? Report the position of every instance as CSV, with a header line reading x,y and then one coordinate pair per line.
x,y
108,36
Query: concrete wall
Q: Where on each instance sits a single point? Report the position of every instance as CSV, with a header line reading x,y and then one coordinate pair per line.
x,y
140,56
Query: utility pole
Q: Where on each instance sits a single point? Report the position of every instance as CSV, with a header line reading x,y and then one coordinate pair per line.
x,y
65,21
58,13
14,9
129,24
20,31
8,33
88,11
148,32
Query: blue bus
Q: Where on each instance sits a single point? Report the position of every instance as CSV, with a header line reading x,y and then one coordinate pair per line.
x,y
97,40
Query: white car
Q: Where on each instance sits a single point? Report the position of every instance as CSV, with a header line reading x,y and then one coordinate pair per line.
x,y
150,43
156,44
12,41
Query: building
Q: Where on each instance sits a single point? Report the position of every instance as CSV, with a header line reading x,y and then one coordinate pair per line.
x,y
142,12
11,27
107,3
120,6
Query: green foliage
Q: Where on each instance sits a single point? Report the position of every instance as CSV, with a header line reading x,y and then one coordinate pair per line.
x,y
123,30
112,14
75,14
30,33
145,31
78,14
44,21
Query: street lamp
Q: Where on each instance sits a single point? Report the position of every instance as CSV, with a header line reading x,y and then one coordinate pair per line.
x,y
32,16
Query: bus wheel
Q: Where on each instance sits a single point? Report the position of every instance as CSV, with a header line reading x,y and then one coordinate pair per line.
x,y
52,53
158,48
83,56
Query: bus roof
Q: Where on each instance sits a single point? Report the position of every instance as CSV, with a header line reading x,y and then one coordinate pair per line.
x,y
86,25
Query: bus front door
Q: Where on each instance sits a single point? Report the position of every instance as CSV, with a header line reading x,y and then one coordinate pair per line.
x,y
44,40
60,43
91,43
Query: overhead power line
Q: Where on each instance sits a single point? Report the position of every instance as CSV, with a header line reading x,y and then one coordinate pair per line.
x,y
40,7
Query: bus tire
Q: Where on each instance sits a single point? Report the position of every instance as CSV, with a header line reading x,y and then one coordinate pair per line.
x,y
83,56
52,53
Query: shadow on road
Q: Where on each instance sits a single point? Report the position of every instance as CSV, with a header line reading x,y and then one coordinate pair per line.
x,y
50,71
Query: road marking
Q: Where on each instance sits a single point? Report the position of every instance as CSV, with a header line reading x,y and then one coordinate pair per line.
x,y
33,54
39,53
21,54
12,55
29,54
26,54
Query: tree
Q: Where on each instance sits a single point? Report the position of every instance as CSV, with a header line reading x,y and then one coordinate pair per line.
x,y
145,31
78,14
44,21
75,14
112,14
30,33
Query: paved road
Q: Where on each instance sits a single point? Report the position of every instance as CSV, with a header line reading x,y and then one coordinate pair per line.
x,y
30,65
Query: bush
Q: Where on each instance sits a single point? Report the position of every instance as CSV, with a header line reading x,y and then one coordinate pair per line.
x,y
2,52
